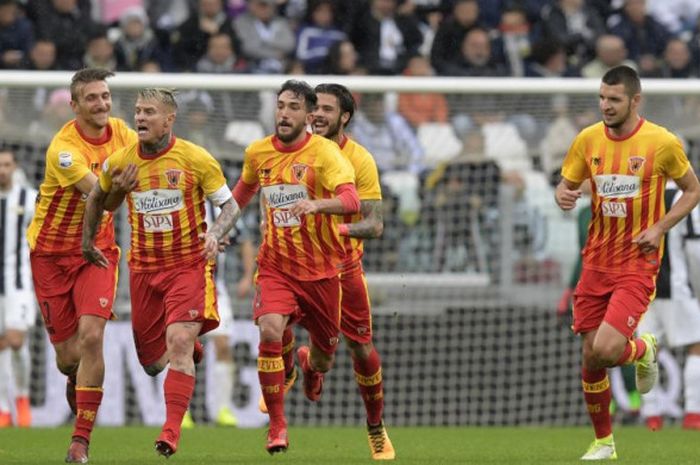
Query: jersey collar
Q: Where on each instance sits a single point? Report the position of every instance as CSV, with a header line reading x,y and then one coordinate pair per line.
x,y
280,147
104,138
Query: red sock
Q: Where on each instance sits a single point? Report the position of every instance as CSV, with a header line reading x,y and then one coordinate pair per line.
x,y
88,400
178,389
288,350
368,374
597,393
634,350
271,375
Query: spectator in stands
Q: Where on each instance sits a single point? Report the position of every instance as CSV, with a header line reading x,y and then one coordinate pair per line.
x,y
677,16
387,136
384,39
342,60
267,39
476,57
198,127
55,114
16,35
137,42
317,35
110,12
424,107
463,195
449,36
191,38
167,15
575,25
644,37
548,59
677,62
220,57
514,41
610,51
42,56
100,52
69,28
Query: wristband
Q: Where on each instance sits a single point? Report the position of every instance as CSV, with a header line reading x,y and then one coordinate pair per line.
x,y
343,229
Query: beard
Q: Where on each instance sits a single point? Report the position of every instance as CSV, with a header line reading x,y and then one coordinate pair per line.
x,y
619,120
332,129
287,138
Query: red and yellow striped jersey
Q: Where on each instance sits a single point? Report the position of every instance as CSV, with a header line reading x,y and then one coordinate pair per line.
x,y
368,188
166,210
628,178
308,247
57,226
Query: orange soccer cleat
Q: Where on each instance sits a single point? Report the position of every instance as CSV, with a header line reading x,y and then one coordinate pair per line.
x,y
24,412
5,419
277,439
78,451
691,421
166,444
655,423
313,380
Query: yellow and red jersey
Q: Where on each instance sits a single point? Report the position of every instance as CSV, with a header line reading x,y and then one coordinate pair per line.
x,y
628,177
307,247
57,226
368,188
167,208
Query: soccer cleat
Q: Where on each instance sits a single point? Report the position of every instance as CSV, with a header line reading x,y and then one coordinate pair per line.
x,y
313,380
379,443
647,367
71,381
198,353
288,383
691,421
654,423
225,417
24,412
601,449
166,444
187,421
78,451
277,439
5,419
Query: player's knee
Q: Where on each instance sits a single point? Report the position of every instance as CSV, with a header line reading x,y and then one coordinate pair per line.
x,y
91,338
322,362
604,355
358,350
180,344
270,333
152,370
66,367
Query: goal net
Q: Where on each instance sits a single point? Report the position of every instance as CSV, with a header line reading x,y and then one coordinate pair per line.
x,y
464,281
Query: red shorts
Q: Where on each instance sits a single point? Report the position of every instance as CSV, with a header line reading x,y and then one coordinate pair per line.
x,y
355,316
160,298
315,305
67,287
619,299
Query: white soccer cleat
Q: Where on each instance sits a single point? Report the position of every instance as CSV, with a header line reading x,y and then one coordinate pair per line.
x,y
647,367
601,449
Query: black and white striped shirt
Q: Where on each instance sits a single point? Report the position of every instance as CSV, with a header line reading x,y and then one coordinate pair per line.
x,y
16,212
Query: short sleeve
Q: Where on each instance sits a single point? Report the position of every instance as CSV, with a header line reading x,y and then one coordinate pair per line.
x,y
249,174
336,169
212,179
674,160
367,178
68,163
575,168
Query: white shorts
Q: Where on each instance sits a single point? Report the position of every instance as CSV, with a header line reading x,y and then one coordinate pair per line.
x,y
224,303
675,323
17,311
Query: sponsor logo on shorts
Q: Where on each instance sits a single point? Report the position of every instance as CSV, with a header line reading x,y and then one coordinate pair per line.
x,y
193,314
361,330
333,341
65,159
103,302
630,321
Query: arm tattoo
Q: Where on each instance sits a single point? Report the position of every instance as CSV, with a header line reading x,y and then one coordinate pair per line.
x,y
372,223
94,207
226,219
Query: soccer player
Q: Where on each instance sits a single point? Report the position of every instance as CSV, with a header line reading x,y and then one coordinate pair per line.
x,y
304,180
628,160
173,298
674,316
334,111
17,307
75,297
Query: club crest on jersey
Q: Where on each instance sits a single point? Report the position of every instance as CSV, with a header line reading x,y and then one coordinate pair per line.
x,y
635,163
173,177
299,171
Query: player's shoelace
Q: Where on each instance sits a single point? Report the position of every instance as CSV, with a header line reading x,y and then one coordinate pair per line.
x,y
377,437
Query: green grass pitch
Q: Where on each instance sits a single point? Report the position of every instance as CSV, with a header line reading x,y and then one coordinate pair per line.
x,y
339,446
